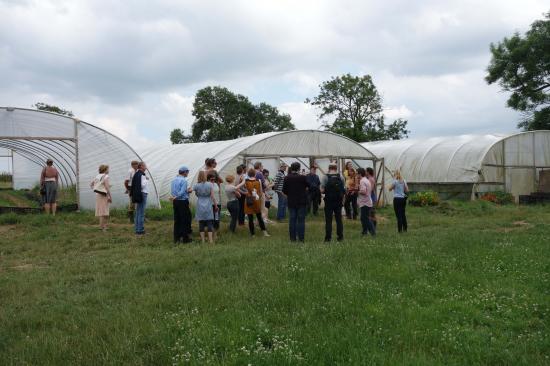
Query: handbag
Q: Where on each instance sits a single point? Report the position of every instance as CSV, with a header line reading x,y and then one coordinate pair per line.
x,y
99,187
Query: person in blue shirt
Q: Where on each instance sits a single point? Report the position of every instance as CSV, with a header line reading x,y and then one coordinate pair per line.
x,y
180,202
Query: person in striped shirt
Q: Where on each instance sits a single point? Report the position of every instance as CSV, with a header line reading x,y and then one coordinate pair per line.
x,y
278,188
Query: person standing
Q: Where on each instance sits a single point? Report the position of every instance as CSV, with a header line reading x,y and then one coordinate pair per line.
x,y
206,204
278,188
268,194
334,190
49,179
295,187
352,187
140,190
400,188
314,192
372,181
233,194
241,174
102,188
180,202
253,203
364,201
216,205
128,186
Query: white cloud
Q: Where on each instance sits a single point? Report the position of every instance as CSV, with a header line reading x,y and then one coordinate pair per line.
x,y
135,69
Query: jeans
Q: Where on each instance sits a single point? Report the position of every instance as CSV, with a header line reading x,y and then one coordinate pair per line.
x,y
336,210
350,205
182,220
297,223
251,222
366,222
399,205
234,211
281,206
242,198
140,215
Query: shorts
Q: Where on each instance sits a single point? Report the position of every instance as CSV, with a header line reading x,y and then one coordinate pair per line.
x,y
206,224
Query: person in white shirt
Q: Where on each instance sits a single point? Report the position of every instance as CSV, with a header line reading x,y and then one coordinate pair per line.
x,y
128,186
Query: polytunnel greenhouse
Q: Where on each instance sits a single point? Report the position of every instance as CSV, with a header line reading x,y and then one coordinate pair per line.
x,y
305,147
465,166
30,137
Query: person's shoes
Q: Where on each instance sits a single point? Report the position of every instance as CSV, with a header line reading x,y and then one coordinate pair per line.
x,y
327,240
340,239
266,234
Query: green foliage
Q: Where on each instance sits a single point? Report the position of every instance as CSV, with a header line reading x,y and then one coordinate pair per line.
x,y
498,197
6,177
223,115
427,198
521,65
9,219
462,289
177,136
356,106
53,108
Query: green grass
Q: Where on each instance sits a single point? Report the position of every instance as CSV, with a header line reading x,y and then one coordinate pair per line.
x,y
468,285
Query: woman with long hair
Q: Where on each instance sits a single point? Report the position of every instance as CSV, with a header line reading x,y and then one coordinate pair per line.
x,y
400,188
253,202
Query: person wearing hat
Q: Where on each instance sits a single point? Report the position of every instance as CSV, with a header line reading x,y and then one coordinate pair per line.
x,y
278,188
49,178
180,202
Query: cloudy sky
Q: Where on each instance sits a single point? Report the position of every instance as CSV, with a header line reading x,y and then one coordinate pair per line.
x,y
133,67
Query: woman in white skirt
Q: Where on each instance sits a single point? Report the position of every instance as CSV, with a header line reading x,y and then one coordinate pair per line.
x,y
102,189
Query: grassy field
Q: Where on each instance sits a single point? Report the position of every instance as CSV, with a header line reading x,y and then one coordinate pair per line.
x,y
469,284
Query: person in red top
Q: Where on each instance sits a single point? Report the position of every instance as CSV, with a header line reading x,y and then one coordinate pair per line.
x,y
48,187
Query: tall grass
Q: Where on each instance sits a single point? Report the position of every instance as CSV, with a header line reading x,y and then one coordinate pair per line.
x,y
469,285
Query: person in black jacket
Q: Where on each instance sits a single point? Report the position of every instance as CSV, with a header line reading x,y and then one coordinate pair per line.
x,y
314,192
295,187
139,191
334,190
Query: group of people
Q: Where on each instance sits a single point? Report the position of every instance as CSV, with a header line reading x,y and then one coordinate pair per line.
x,y
250,191
248,195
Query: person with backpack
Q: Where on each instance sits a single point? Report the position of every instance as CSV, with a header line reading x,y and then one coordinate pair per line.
x,y
253,202
334,190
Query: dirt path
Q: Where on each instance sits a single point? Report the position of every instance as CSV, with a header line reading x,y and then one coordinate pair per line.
x,y
14,200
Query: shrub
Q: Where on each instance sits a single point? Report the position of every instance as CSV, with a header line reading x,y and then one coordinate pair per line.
x,y
498,197
428,198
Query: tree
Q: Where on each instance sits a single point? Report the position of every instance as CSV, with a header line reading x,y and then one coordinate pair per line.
x,y
52,108
521,65
223,115
177,136
356,107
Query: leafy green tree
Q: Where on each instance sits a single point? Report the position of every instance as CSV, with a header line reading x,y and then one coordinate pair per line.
x,y
52,108
223,115
177,136
521,65
354,109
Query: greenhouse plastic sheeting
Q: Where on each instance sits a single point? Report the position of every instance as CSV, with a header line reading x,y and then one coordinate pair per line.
x,y
77,148
509,160
165,160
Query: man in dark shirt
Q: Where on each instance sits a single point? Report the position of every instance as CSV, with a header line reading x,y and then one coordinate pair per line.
x,y
314,193
295,187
